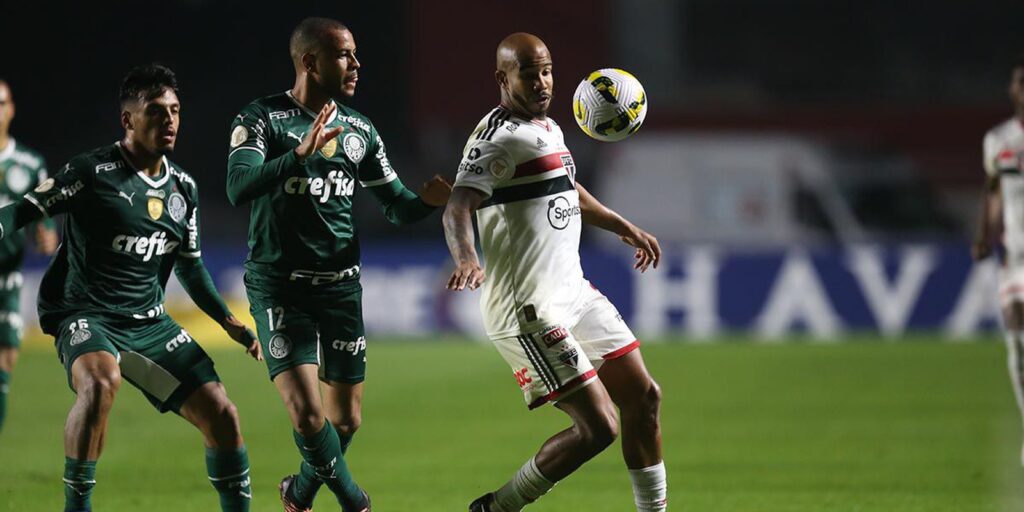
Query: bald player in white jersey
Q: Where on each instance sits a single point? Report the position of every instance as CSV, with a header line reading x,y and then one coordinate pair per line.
x,y
1004,206
566,343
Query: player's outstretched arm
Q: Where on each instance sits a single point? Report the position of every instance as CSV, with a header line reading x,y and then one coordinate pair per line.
x,y
18,215
196,281
991,217
403,206
250,176
458,232
648,251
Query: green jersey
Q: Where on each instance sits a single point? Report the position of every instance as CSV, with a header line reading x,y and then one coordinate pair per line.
x,y
122,234
21,170
301,225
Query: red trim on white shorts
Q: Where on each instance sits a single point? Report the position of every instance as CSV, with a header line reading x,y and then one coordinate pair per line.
x,y
622,351
566,389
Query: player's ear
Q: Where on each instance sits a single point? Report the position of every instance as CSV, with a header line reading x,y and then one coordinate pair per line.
x,y
126,119
501,78
309,62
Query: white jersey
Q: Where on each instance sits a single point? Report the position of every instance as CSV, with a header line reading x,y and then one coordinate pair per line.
x,y
1004,157
529,224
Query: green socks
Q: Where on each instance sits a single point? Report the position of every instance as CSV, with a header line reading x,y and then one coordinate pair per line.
x,y
79,479
5,385
229,473
309,475
324,461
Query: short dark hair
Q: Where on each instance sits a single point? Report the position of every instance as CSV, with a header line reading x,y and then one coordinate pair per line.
x,y
146,82
310,33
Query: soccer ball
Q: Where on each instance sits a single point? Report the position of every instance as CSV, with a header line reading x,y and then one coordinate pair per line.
x,y
609,105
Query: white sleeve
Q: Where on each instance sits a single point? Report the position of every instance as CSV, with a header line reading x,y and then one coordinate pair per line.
x,y
991,154
484,165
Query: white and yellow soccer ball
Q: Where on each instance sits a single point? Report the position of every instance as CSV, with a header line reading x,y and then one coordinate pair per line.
x,y
609,105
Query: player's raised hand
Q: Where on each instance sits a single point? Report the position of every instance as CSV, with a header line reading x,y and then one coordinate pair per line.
x,y
436,191
648,251
317,135
240,333
46,240
466,275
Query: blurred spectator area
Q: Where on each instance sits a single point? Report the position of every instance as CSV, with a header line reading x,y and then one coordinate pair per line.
x,y
874,84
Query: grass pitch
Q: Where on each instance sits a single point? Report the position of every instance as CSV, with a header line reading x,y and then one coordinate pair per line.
x,y
855,427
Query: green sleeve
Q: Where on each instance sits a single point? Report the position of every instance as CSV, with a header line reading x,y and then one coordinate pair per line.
x,y
250,174
17,215
250,177
400,205
196,281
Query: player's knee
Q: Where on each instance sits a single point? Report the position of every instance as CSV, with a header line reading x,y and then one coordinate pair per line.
x,y
227,416
349,425
650,402
99,389
308,421
226,429
600,432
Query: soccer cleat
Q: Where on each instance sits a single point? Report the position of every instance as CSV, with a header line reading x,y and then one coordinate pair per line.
x,y
483,503
364,506
289,505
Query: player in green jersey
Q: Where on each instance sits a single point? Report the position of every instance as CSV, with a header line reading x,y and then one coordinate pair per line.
x,y
21,169
131,217
297,156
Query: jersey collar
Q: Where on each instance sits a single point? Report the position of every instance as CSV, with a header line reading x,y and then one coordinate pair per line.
x,y
9,150
546,124
310,112
161,179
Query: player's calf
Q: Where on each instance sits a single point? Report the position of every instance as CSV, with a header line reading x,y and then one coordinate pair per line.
x,y
96,379
227,460
8,355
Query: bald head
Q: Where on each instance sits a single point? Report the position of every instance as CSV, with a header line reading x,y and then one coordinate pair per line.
x,y
521,50
311,35
525,75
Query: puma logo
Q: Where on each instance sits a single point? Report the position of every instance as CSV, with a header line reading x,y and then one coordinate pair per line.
x,y
127,197
296,137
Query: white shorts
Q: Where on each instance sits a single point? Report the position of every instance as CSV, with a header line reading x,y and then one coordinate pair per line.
x,y
553,362
1011,283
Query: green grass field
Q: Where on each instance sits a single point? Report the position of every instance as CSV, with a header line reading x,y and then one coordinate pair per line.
x,y
856,427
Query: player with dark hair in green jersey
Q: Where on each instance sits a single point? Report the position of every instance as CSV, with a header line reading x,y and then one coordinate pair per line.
x,y
21,169
131,217
297,156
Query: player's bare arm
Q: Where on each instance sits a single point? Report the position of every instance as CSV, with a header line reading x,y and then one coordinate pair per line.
x,y
458,233
648,251
991,214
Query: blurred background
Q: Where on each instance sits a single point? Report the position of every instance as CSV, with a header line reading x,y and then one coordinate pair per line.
x,y
810,167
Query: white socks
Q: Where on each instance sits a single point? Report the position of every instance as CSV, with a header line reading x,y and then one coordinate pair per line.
x,y
650,488
525,487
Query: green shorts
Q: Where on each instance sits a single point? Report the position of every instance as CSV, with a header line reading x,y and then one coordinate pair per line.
x,y
303,323
156,355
